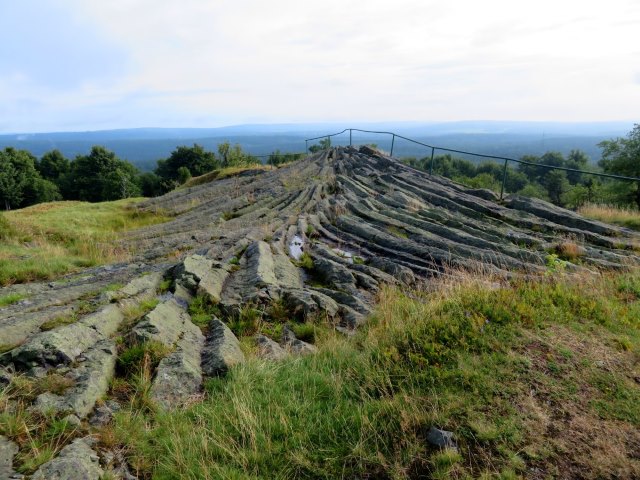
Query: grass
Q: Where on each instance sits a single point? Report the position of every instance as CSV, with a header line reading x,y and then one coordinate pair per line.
x,y
223,173
51,239
536,376
625,217
39,436
10,299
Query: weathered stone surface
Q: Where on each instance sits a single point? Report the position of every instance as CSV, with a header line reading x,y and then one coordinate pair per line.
x,y
179,376
105,321
400,272
221,351
8,450
163,324
76,461
91,381
334,274
441,438
61,345
260,264
268,349
295,345
202,275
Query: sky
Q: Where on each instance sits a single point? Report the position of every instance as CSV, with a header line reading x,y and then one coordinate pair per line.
x,y
77,65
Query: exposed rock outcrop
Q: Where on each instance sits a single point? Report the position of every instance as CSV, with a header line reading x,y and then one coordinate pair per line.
x,y
312,241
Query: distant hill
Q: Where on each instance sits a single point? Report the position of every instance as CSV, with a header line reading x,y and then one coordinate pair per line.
x,y
144,146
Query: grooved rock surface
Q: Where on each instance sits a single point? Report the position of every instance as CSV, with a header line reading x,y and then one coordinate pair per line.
x,y
221,351
178,375
164,324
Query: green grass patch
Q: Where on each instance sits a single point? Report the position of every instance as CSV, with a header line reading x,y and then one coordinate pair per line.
x,y
202,309
58,322
51,239
11,299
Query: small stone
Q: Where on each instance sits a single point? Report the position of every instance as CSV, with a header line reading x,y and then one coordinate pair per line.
x,y
101,416
441,438
268,349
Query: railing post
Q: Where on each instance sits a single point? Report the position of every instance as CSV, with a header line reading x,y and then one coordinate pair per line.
x,y
504,178
433,150
350,132
393,140
328,142
306,146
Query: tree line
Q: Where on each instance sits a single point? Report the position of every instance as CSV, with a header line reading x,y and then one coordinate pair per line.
x,y
100,175
620,156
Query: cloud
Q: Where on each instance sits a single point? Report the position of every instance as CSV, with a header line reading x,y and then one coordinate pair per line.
x,y
194,62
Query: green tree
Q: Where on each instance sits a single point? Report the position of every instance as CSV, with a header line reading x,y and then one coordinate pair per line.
x,y
101,176
53,165
183,174
196,160
20,183
621,156
577,160
10,188
323,144
557,186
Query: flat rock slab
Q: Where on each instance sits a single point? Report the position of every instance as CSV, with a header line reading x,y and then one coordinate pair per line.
x,y
164,324
179,375
221,351
76,461
59,346
91,382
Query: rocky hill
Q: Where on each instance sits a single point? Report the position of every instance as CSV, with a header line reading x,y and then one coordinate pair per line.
x,y
311,240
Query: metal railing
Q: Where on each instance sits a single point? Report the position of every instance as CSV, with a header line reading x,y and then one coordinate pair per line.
x,y
473,154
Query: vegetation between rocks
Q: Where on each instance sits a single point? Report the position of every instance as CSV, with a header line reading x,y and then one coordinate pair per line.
x,y
522,374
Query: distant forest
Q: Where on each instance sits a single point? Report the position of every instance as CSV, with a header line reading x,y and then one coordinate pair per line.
x,y
100,175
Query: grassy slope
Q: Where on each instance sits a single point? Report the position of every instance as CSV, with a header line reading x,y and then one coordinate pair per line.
x,y
50,239
626,217
537,380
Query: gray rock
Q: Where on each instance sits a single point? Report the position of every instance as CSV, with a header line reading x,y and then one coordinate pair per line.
x,y
61,345
76,461
400,272
441,438
202,275
8,450
260,265
101,416
105,321
5,377
221,351
334,274
179,375
295,345
163,324
268,349
91,383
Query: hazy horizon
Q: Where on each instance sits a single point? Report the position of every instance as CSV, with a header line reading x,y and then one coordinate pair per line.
x,y
68,65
